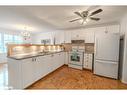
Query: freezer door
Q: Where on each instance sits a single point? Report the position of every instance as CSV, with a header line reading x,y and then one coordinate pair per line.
x,y
106,68
107,47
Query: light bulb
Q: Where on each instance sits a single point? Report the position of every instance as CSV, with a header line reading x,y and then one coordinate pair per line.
x,y
85,22
87,19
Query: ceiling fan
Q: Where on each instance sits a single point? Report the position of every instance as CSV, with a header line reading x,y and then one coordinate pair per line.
x,y
86,16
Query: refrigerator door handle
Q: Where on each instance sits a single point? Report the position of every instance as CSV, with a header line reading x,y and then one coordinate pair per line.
x,y
106,61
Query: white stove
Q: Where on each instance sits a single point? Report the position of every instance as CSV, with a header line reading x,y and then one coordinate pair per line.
x,y
76,58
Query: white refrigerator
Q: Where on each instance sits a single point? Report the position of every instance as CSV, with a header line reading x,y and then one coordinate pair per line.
x,y
106,59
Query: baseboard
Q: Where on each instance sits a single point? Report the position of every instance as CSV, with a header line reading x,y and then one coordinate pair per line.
x,y
65,64
123,81
87,69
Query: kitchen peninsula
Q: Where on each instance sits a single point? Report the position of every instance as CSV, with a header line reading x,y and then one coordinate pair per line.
x,y
26,67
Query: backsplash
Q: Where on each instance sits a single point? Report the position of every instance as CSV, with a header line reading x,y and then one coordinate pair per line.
x,y
24,49
14,49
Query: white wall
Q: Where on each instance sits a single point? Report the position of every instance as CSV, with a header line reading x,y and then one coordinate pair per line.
x,y
123,31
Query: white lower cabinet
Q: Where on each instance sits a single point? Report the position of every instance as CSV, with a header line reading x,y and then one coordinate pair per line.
x,y
22,73
88,60
58,60
55,61
61,59
47,67
39,67
66,58
27,72
14,74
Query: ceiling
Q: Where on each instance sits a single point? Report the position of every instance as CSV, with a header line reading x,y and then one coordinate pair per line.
x,y
45,18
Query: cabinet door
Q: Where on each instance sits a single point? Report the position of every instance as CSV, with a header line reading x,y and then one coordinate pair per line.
x,y
74,35
77,35
27,72
44,65
90,60
113,29
14,73
61,58
67,37
57,60
39,67
59,37
47,59
89,35
66,58
99,30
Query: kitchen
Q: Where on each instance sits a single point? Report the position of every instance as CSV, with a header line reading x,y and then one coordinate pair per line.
x,y
47,50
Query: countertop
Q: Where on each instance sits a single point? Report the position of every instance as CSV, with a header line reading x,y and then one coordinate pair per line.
x,y
25,56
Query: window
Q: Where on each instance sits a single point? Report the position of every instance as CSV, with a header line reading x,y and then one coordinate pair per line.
x,y
18,39
8,38
1,45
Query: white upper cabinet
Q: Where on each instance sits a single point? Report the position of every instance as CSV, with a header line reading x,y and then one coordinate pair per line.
x,y
88,35
77,34
67,36
59,37
113,29
107,29
36,38
99,30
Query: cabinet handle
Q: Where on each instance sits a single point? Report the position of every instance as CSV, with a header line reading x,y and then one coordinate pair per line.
x,y
35,59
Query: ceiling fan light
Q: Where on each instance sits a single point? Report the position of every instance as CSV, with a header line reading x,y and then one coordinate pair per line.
x,y
87,19
85,22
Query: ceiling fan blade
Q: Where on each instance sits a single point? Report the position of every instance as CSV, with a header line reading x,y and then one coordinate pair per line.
x,y
75,19
96,12
79,14
96,19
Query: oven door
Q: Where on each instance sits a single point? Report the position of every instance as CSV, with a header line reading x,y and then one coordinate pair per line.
x,y
75,59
